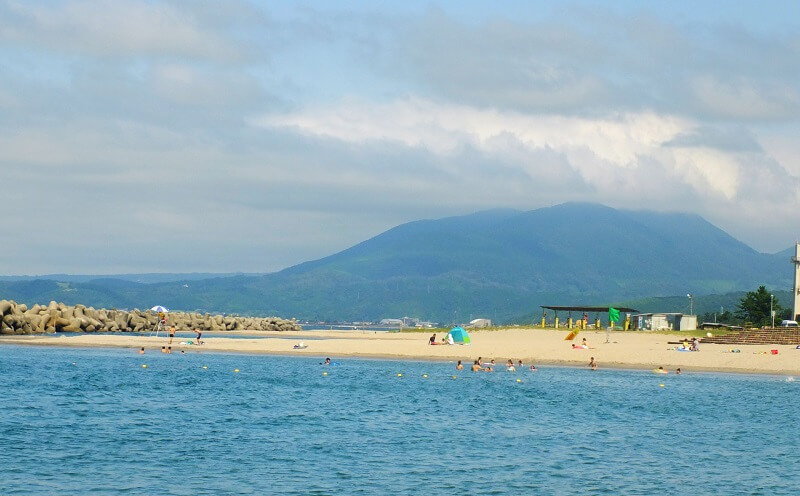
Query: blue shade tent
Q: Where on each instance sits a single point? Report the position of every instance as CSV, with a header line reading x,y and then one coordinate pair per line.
x,y
460,335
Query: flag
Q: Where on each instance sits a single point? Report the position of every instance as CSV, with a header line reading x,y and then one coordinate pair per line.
x,y
613,315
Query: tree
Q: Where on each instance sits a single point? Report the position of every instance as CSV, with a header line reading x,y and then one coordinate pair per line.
x,y
755,307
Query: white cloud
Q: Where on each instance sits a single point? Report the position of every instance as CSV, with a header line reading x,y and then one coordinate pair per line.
x,y
115,28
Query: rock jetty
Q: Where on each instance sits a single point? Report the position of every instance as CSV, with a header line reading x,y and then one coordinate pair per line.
x,y
58,317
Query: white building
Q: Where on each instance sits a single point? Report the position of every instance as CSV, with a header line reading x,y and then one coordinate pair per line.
x,y
664,322
480,323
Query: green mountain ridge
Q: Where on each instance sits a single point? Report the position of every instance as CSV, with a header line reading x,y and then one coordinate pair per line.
x,y
499,264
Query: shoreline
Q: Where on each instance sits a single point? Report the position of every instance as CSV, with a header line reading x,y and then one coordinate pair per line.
x,y
626,350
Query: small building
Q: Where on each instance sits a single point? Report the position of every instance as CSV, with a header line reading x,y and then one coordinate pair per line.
x,y
392,322
664,322
480,323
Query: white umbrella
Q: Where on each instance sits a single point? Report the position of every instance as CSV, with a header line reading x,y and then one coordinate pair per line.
x,y
159,308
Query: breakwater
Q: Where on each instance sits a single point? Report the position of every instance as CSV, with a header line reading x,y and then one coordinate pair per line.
x,y
17,318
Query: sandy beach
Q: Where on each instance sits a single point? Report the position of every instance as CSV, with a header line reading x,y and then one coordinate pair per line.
x,y
541,347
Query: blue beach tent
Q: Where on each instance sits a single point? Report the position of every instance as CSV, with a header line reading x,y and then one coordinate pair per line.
x,y
460,335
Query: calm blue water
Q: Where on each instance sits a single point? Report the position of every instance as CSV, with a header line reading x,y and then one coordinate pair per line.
x,y
79,421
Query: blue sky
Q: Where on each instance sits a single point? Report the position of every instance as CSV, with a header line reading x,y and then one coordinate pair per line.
x,y
167,136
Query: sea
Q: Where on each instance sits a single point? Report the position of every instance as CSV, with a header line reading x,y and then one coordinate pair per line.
x,y
110,421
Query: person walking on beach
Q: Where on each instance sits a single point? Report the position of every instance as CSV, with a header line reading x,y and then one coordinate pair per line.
x,y
592,364
197,331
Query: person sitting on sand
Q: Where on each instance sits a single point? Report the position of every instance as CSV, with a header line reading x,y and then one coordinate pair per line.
x,y
695,345
510,366
141,351
476,367
432,340
459,366
592,364
584,344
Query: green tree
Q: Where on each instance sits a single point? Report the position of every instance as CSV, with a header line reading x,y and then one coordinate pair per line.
x,y
755,306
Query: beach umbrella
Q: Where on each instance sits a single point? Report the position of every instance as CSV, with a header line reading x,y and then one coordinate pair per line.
x,y
159,308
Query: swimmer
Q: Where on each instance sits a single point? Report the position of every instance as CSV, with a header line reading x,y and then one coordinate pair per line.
x,y
169,349
476,367
519,364
510,366
163,349
141,351
592,364
459,366
327,361
678,371
533,368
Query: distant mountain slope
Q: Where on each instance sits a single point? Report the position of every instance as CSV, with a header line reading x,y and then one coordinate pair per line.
x,y
497,264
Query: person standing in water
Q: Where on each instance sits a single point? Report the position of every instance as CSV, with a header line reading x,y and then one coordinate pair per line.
x,y
592,364
459,366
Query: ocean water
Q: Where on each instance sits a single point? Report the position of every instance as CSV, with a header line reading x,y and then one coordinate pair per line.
x,y
94,421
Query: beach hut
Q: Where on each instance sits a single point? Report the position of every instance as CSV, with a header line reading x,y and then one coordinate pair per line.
x,y
460,336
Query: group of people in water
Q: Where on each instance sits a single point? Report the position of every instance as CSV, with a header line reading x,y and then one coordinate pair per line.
x,y
480,366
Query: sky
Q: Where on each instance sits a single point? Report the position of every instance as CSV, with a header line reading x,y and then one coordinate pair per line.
x,y
238,136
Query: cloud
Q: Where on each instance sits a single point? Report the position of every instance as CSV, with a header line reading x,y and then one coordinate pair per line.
x,y
586,61
120,28
638,158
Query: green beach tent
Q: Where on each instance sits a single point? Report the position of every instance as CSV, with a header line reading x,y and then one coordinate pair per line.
x,y
460,335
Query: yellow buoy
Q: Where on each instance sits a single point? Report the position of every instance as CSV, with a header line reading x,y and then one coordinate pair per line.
x,y
236,370
455,377
144,365
519,380
660,385
324,373
399,375
205,367
424,375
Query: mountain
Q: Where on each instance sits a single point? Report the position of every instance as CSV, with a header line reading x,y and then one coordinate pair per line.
x,y
498,264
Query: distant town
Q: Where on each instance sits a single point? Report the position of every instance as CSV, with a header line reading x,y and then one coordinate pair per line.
x,y
388,324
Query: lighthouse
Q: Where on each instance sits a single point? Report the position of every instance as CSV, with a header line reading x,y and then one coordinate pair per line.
x,y
796,293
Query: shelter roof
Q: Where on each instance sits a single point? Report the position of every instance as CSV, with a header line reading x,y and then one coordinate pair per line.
x,y
569,308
